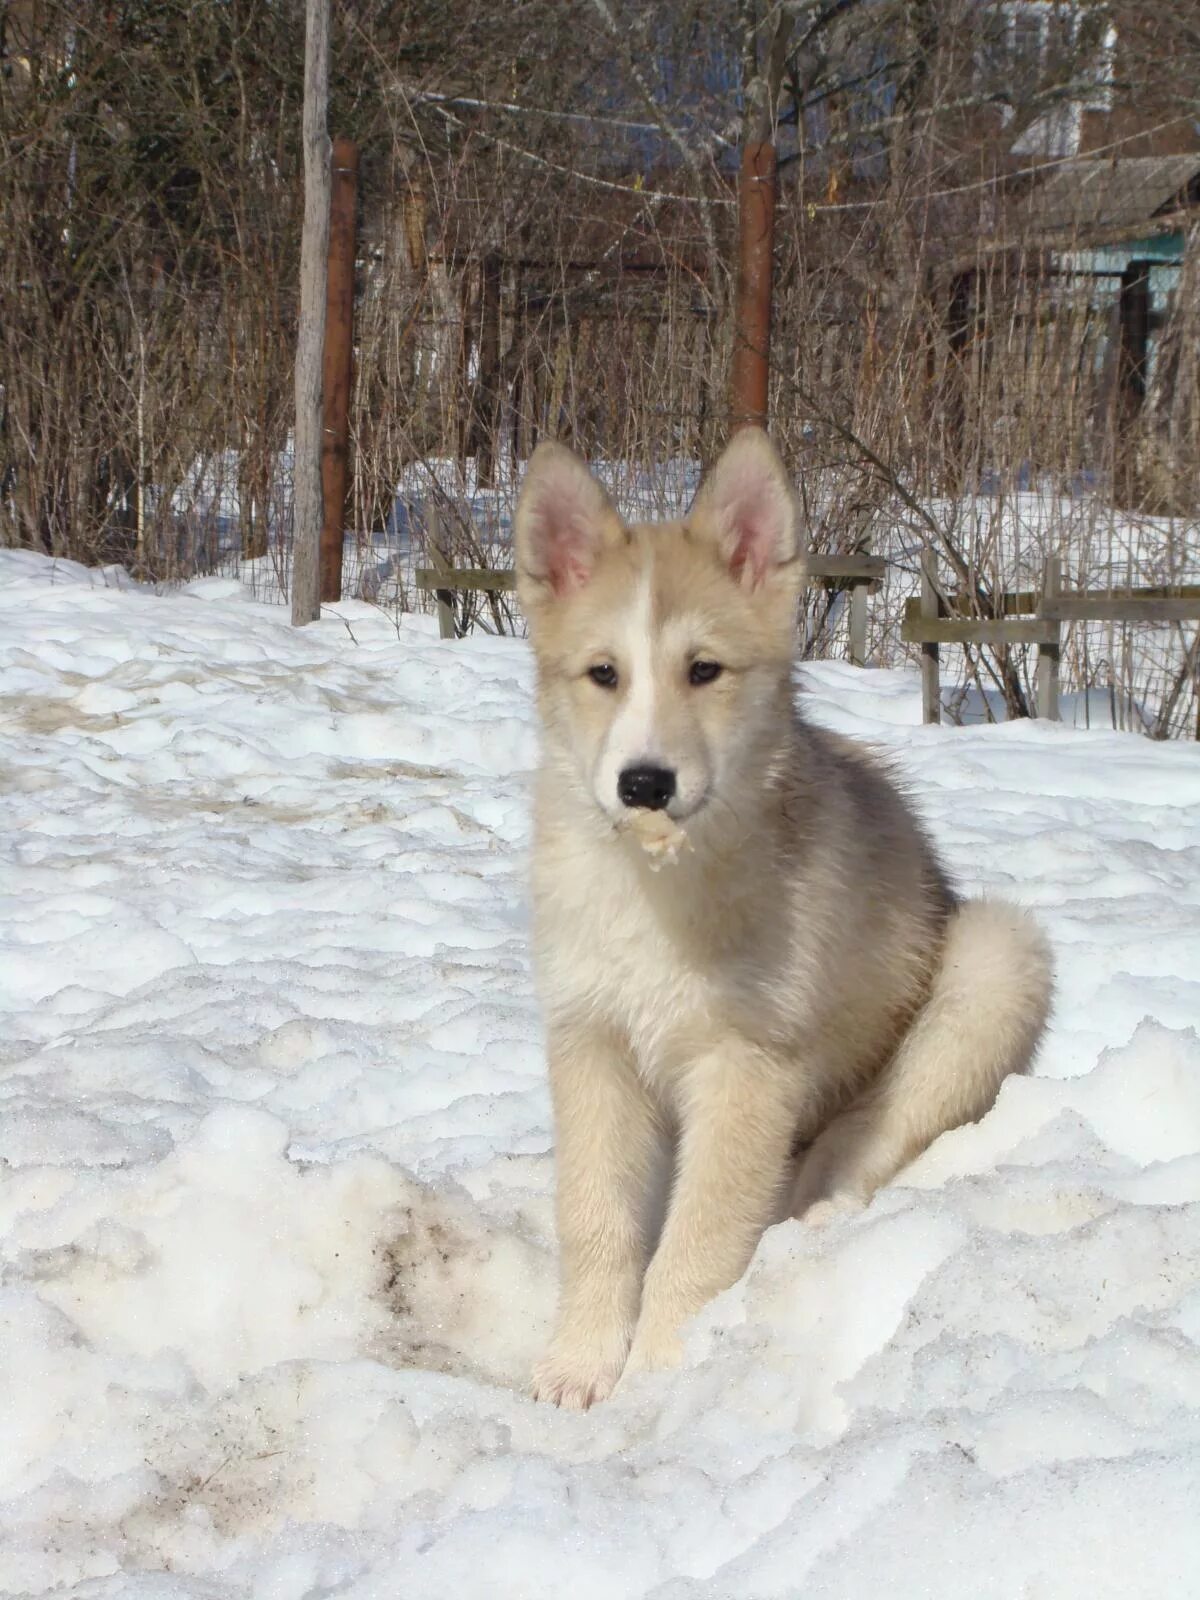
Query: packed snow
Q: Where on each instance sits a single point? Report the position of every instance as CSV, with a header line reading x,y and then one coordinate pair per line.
x,y
276,1174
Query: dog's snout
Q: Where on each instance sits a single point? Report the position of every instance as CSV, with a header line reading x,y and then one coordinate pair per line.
x,y
650,787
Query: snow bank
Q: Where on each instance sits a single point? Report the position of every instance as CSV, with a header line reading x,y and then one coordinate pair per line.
x,y
275,1181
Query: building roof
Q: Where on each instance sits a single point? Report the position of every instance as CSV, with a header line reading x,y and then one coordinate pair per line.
x,y
1100,201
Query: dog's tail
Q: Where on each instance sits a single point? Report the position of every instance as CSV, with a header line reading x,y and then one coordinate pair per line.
x,y
984,1016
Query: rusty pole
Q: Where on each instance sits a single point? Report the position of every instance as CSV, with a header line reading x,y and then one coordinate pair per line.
x,y
752,322
338,364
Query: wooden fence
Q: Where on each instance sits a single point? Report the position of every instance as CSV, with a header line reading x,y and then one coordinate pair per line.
x,y
1028,617
858,573
936,618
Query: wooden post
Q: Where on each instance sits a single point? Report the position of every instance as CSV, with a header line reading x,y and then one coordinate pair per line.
x,y
520,392
752,324
1049,655
314,245
558,385
858,624
959,330
415,211
931,688
339,363
1133,309
464,395
440,563
487,420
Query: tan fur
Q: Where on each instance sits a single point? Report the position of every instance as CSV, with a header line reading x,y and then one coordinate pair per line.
x,y
800,976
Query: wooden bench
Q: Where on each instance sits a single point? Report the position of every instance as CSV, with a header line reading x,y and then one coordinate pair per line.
x,y
858,573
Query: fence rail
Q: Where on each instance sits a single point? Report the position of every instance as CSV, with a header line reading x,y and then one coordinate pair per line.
x,y
935,618
1029,616
858,573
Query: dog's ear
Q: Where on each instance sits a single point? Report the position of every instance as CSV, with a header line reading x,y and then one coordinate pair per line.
x,y
747,506
563,521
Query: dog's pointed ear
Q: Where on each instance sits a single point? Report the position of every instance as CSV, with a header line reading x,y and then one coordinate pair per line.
x,y
748,507
563,521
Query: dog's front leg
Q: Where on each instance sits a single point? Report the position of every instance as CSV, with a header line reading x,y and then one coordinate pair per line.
x,y
608,1140
739,1113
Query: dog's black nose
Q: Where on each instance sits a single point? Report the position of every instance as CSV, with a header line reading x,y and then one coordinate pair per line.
x,y
651,787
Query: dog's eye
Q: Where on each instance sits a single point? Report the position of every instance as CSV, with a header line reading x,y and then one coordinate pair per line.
x,y
704,671
604,673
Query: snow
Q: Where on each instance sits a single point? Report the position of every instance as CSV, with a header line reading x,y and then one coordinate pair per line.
x,y
275,1171
1006,530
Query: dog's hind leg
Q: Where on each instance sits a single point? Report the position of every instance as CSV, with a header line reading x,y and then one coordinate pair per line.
x,y
982,1020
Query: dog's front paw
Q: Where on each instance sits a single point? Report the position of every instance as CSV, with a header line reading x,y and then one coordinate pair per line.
x,y
654,1350
574,1379
824,1212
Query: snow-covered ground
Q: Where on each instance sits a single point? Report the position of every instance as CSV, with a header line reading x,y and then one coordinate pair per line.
x,y
275,1171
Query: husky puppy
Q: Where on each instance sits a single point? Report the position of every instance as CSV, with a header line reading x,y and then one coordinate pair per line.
x,y
799,979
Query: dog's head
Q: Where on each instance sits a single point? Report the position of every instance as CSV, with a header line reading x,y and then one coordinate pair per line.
x,y
661,648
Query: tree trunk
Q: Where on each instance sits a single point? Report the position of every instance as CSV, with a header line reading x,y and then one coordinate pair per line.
x,y
307,506
339,364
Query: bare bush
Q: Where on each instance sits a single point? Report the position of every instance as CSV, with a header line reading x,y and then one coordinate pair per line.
x,y
546,230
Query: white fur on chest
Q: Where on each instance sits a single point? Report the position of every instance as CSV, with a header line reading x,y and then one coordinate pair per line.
x,y
603,952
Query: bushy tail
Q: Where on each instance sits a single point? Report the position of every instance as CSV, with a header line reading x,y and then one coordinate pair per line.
x,y
983,1019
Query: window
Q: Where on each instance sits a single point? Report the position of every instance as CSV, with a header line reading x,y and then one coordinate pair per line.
x,y
1030,48
1032,43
